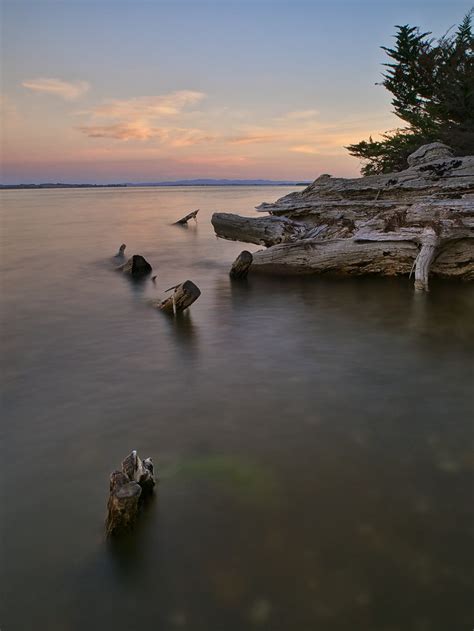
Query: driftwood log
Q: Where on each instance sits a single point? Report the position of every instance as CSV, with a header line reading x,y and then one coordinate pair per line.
x,y
419,220
136,266
186,218
127,489
241,265
182,297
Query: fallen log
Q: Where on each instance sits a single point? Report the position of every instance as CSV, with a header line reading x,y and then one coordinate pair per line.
x,y
127,489
136,266
260,230
184,220
346,257
350,257
241,265
420,219
182,297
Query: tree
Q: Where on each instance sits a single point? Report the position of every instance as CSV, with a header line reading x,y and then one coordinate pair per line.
x,y
432,83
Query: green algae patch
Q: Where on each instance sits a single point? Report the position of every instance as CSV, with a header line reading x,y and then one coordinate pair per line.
x,y
247,479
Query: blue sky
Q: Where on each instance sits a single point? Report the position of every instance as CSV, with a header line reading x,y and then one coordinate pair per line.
x,y
113,90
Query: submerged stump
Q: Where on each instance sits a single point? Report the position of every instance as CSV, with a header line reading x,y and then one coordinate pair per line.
x,y
128,488
136,266
241,265
182,297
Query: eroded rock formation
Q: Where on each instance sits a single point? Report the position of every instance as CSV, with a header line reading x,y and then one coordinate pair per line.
x,y
418,221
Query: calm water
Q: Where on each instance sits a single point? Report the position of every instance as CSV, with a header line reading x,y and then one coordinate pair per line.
x,y
313,437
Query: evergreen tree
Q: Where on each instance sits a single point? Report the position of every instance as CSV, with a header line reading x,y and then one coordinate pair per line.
x,y
432,83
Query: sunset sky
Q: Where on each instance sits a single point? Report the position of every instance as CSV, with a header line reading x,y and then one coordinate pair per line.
x,y
111,90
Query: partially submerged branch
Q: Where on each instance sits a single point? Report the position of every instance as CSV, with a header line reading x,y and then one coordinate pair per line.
x,y
186,218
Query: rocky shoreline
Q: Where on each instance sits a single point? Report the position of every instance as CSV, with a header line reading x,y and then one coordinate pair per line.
x,y
418,221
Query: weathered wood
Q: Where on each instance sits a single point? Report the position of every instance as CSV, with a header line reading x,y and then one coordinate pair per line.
x,y
123,503
429,243
346,257
259,230
127,488
182,297
138,470
371,225
136,266
185,219
241,265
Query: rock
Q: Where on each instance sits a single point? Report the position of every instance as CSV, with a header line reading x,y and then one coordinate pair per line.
x,y
429,153
420,219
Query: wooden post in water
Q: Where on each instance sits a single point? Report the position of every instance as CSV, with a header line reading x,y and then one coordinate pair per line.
x,y
137,266
122,507
127,488
184,220
241,265
182,297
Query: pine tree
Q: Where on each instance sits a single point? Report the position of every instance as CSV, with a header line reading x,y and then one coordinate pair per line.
x,y
432,83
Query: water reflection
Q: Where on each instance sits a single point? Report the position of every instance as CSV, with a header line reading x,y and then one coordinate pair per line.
x,y
183,332
313,436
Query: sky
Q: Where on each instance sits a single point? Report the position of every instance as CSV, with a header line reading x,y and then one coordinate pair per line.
x,y
139,91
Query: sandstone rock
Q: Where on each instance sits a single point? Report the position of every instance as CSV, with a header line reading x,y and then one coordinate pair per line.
x,y
429,153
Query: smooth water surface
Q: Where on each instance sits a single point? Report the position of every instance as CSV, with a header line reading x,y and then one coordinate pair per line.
x,y
313,436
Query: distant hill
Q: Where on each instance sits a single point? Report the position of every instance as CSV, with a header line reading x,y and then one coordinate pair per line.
x,y
199,182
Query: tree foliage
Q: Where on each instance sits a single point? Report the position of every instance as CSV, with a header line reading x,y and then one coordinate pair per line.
x,y
432,84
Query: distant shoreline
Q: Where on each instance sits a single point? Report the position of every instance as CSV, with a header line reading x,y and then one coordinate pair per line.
x,y
180,183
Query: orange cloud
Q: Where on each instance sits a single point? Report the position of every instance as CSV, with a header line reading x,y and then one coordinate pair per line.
x,y
304,149
146,107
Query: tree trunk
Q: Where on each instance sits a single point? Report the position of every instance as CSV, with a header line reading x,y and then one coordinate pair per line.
x,y
123,503
182,297
127,488
429,243
241,265
259,230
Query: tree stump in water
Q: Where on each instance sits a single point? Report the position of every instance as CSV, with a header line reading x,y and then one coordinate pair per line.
x,y
241,265
137,266
127,489
184,220
182,297
122,507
